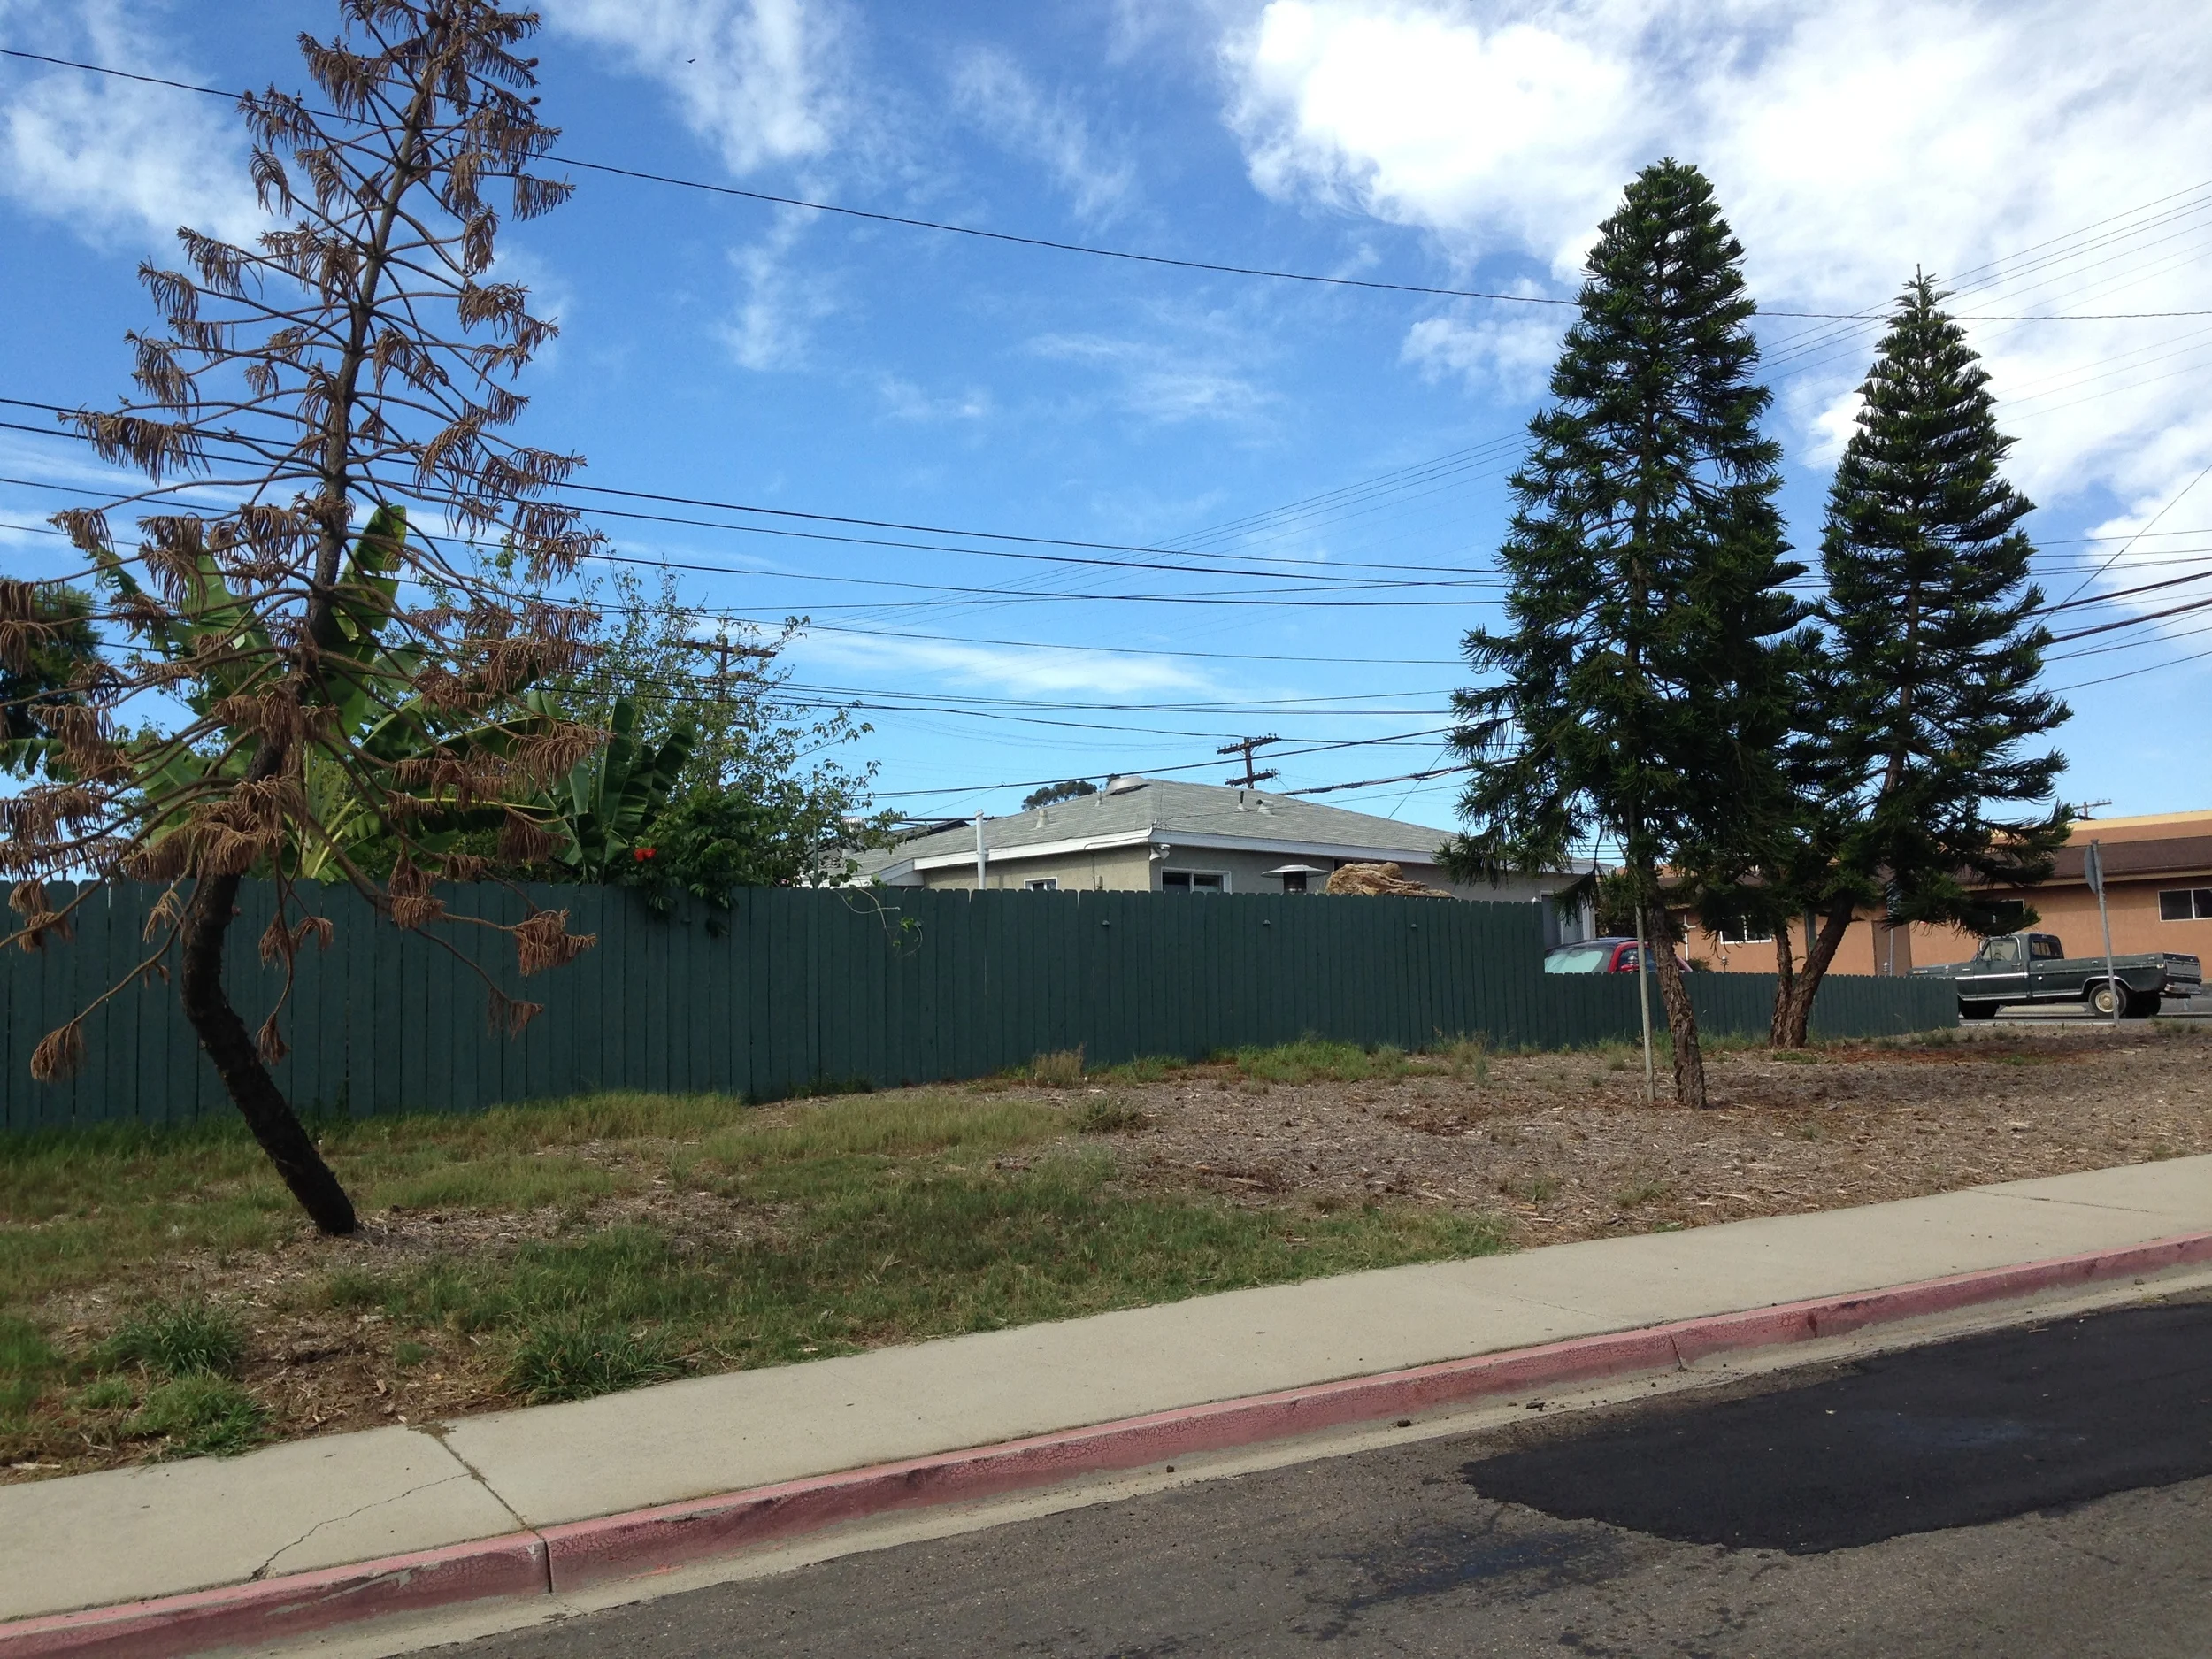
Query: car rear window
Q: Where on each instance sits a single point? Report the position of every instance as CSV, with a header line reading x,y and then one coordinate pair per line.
x,y
1577,959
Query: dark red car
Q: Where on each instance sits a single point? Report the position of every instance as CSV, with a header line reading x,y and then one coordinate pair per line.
x,y
1597,956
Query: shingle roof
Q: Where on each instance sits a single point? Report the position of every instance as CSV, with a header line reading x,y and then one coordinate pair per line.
x,y
1160,811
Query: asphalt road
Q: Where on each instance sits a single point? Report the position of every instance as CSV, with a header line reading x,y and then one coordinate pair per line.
x,y
2040,1492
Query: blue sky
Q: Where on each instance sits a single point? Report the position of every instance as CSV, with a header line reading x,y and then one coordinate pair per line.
x,y
725,349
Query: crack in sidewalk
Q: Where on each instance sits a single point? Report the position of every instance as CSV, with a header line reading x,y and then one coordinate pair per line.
x,y
262,1571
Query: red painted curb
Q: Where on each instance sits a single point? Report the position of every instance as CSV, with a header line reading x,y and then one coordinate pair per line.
x,y
236,1613
646,1542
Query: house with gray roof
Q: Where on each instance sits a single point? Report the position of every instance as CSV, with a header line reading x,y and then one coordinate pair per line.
x,y
1146,835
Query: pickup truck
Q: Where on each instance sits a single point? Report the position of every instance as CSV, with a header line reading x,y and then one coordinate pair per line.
x,y
2035,968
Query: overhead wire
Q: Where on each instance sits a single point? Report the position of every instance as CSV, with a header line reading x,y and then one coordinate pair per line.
x,y
1047,244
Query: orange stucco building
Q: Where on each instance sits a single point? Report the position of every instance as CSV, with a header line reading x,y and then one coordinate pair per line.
x,y
2158,888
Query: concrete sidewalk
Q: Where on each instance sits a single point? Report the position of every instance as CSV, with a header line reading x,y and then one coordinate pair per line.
x,y
131,1535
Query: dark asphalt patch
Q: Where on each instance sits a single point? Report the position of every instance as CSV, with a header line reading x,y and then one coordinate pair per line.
x,y
1956,1434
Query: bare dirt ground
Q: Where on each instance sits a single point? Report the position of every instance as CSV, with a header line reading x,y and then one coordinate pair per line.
x,y
1565,1144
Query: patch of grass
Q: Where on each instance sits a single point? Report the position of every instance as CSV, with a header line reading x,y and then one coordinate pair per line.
x,y
201,1416
29,1363
566,1360
109,1394
1109,1115
1642,1191
902,1127
889,1253
502,1180
179,1339
1315,1059
407,1354
1534,1189
1061,1069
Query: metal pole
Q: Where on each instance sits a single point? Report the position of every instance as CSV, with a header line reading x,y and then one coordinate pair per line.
x,y
1643,991
2093,864
982,855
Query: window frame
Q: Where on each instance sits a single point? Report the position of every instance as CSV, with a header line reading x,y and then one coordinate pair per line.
x,y
2198,901
1219,878
1042,884
1749,938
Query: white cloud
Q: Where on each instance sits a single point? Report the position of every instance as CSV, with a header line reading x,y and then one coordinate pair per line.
x,y
995,92
902,400
1510,352
1849,141
774,320
1162,379
1024,671
116,161
753,77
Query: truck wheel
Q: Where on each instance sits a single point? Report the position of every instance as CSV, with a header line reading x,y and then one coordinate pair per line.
x,y
2140,1005
2104,997
1978,1011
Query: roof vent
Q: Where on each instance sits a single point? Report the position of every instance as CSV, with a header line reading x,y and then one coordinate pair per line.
x,y
1125,784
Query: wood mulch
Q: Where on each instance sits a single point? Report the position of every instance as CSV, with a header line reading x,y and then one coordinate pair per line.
x,y
1565,1144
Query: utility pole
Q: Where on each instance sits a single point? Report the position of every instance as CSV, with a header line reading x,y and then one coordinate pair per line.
x,y
1245,746
722,650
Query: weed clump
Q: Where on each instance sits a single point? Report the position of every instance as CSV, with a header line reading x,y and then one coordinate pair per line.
x,y
201,1415
179,1339
569,1360
1061,1069
1110,1115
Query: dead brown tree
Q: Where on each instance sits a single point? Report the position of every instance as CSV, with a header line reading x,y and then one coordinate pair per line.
x,y
311,689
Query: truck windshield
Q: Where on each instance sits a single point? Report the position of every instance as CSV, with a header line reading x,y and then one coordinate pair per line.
x,y
2001,951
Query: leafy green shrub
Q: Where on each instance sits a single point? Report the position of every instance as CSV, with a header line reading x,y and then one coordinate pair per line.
x,y
179,1339
564,1360
201,1415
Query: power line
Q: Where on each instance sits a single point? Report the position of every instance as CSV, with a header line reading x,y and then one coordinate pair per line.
x,y
1056,246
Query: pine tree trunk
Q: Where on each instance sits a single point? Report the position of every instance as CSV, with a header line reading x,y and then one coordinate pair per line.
x,y
206,922
1818,955
1784,988
1689,1061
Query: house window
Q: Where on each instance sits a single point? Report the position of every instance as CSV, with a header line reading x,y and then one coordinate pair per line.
x,y
1042,884
1742,932
1193,881
2186,904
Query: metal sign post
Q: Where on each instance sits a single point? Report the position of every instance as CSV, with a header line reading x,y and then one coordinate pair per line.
x,y
2093,871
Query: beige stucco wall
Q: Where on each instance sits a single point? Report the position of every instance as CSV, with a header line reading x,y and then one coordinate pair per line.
x,y
1115,869
1134,870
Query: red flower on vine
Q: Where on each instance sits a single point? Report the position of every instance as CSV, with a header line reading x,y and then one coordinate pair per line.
x,y
640,853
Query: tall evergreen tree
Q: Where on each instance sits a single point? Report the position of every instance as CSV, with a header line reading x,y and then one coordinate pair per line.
x,y
1927,696
1645,679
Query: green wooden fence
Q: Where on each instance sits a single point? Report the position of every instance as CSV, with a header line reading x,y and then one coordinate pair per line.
x,y
795,990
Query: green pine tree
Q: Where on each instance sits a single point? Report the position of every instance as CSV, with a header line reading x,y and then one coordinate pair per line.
x,y
1645,679
1926,698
